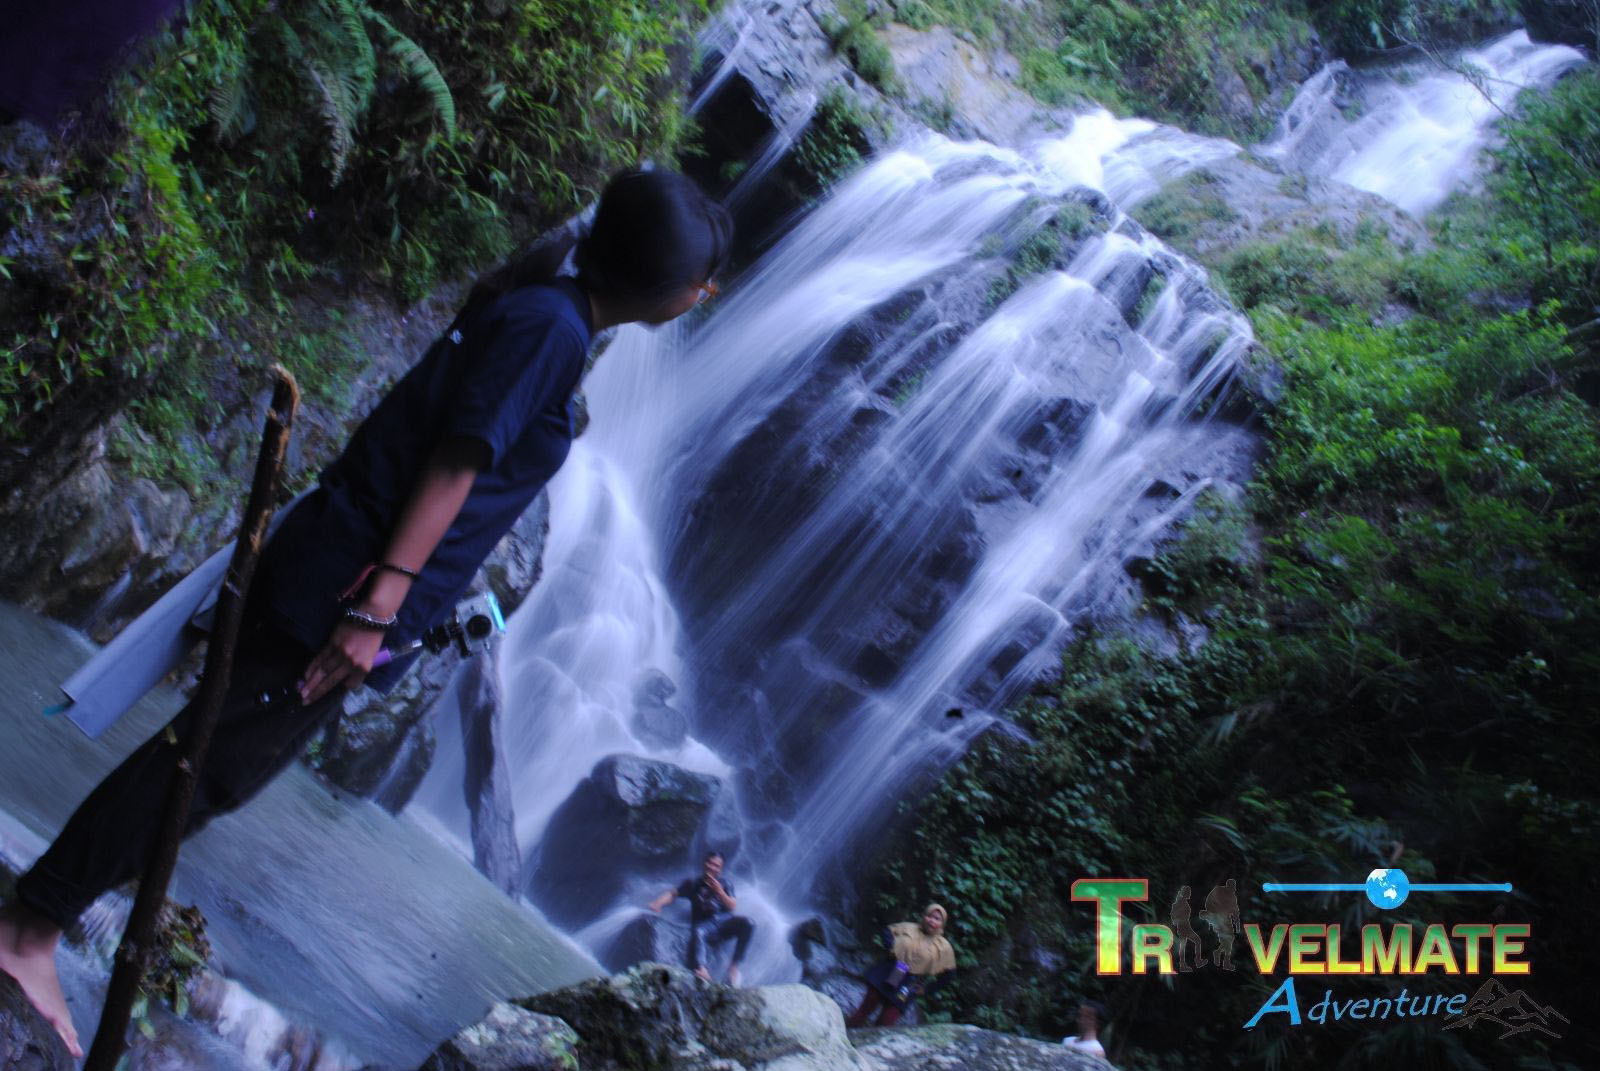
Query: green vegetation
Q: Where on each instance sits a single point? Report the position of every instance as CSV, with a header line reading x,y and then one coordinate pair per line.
x,y
915,14
1316,272
1045,249
262,152
179,954
835,140
1357,26
854,35
1204,65
1398,665
1184,208
939,114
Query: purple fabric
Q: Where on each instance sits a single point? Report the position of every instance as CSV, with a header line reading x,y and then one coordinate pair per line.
x,y
54,55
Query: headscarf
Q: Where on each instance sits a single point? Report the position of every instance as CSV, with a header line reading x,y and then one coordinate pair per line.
x,y
923,953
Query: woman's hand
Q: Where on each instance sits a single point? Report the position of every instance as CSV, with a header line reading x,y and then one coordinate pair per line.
x,y
440,490
344,661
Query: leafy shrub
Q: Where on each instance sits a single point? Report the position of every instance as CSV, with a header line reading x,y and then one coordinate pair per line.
x,y
1044,249
835,140
915,14
260,150
854,35
1358,27
1185,209
1398,662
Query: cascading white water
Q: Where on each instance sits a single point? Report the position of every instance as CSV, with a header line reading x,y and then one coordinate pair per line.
x,y
1414,131
1129,159
672,410
1034,576
832,536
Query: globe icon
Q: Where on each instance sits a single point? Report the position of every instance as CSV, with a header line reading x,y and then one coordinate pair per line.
x,y
1388,889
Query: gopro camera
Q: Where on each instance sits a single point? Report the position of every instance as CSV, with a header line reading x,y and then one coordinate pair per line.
x,y
474,623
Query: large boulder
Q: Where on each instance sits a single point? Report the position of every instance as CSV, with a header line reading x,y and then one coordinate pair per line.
x,y
382,737
650,938
632,815
27,1041
1564,22
1210,212
656,722
508,1039
957,1047
661,1018
656,1017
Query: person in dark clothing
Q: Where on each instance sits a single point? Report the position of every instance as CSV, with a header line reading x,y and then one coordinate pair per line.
x,y
921,962
710,895
1183,929
390,539
1222,912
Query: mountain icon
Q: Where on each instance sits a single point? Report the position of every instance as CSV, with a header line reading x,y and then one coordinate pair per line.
x,y
1512,1010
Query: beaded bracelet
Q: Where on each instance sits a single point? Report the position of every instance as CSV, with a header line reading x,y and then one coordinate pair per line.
x,y
366,620
366,571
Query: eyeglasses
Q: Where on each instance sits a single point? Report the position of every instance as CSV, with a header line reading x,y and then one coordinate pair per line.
x,y
707,292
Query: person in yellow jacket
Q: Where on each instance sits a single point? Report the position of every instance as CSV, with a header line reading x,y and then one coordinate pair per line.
x,y
921,962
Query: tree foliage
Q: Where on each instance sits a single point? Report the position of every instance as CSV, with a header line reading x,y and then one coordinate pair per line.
x,y
1400,658
259,150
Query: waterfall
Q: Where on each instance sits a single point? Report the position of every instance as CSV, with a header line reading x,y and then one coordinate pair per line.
x,y
1410,134
855,508
863,491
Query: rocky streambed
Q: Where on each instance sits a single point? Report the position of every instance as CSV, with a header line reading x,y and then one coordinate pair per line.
x,y
658,1018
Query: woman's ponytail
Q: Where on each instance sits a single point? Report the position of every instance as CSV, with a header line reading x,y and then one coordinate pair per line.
x,y
540,263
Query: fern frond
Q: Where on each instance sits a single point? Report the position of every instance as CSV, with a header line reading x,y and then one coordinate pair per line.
x,y
419,66
358,66
229,106
294,48
337,111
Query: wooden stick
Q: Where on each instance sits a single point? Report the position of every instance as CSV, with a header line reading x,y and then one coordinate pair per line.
x,y
138,939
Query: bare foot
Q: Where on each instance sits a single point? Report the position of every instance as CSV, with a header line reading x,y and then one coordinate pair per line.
x,y
733,975
701,973
28,954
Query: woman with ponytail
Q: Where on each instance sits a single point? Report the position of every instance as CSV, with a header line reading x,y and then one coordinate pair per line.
x,y
391,537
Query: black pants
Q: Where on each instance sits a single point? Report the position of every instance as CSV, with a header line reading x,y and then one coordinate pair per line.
x,y
735,928
109,839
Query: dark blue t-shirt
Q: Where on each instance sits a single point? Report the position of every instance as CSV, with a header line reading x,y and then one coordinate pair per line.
x,y
704,904
504,377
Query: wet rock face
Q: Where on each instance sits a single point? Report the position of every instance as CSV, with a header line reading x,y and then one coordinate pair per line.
x,y
632,815
27,1041
660,1018
375,729
87,540
1260,201
488,776
973,90
951,1045
86,537
509,1038
1561,22
655,722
